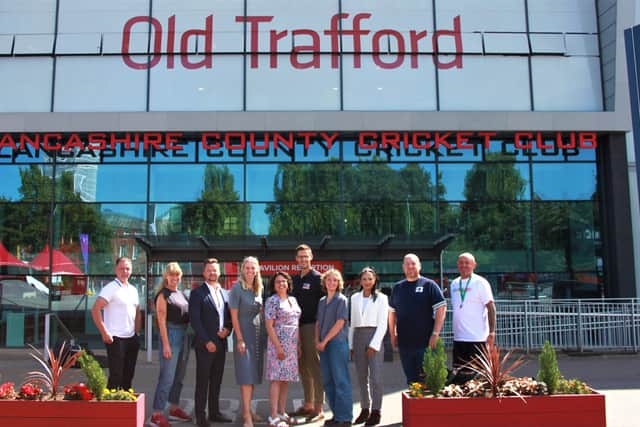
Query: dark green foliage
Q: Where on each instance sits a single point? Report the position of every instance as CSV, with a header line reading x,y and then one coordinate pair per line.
x,y
548,370
435,368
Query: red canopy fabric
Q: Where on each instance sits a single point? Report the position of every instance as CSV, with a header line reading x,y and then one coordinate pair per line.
x,y
61,264
7,259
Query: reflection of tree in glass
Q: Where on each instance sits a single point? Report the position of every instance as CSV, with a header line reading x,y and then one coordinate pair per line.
x,y
491,218
26,222
217,215
365,199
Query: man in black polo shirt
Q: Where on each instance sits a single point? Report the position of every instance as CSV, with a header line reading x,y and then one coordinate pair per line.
x,y
417,312
308,291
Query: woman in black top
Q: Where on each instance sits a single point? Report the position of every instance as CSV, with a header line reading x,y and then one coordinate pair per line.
x,y
172,313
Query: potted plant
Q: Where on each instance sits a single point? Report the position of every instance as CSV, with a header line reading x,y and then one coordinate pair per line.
x,y
495,397
40,402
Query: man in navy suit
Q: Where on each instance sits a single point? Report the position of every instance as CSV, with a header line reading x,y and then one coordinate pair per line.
x,y
211,322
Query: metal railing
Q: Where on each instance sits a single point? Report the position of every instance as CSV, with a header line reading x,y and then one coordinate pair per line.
x,y
575,325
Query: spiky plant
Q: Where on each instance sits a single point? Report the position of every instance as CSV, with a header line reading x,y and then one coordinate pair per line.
x,y
52,371
548,371
494,369
434,366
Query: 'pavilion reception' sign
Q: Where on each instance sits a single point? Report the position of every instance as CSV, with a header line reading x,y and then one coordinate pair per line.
x,y
294,145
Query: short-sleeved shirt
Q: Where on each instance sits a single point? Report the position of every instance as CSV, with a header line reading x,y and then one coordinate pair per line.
x,y
120,311
329,313
308,291
470,317
415,304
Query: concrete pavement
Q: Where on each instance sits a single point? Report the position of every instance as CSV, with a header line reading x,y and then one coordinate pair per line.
x,y
616,375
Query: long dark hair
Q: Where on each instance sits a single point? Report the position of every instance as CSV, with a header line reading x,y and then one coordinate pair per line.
x,y
376,281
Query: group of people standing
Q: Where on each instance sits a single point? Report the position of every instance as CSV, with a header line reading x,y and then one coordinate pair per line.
x,y
309,329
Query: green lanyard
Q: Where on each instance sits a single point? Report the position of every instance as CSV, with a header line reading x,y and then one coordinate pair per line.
x,y
463,292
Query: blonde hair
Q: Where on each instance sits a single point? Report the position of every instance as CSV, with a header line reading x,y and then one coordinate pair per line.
x,y
169,270
337,274
257,281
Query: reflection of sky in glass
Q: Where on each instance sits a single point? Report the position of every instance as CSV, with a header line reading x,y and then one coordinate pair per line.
x,y
121,183
260,182
133,210
564,181
259,219
186,182
10,181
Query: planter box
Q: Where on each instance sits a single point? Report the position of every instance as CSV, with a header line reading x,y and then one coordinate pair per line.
x,y
65,413
568,410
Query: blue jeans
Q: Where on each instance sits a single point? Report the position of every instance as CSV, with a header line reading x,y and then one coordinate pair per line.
x,y
412,359
334,364
172,370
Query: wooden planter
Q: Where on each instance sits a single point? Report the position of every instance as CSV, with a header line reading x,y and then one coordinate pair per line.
x,y
65,413
568,410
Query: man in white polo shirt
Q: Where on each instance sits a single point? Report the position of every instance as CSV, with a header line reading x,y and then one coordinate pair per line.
x,y
474,312
116,314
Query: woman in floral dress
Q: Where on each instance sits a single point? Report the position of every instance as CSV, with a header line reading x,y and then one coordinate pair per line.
x,y
282,314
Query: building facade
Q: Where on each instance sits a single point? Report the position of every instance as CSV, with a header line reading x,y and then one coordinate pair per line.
x,y
169,131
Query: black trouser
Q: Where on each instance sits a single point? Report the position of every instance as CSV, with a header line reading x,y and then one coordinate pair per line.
x,y
209,370
465,351
122,355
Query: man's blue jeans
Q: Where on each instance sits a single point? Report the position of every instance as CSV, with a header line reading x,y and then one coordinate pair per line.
x,y
334,364
412,359
172,370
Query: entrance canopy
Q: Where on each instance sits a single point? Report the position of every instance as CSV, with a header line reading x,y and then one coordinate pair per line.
x,y
327,247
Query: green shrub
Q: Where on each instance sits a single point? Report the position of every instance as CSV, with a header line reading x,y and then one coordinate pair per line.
x,y
435,368
96,379
548,371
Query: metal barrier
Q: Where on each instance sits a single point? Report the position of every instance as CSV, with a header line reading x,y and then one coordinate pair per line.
x,y
577,325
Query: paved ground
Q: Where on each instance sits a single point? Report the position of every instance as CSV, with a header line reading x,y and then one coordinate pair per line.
x,y
616,375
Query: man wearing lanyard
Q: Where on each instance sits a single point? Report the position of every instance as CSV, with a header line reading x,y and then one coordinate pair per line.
x,y
474,312
118,302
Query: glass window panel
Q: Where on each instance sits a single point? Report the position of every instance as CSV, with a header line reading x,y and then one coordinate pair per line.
x,y
6,44
567,241
33,94
506,150
298,219
285,88
27,183
81,16
101,183
506,43
566,83
271,146
565,181
388,182
484,181
292,182
23,156
492,15
138,43
186,154
378,218
562,16
316,149
353,151
401,88
214,147
78,43
302,14
28,17
218,88
486,83
24,238
210,183
32,44
547,43
562,154
401,16
582,44
99,84
196,219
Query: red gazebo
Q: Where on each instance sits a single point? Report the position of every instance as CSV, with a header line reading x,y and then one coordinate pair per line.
x,y
62,265
8,260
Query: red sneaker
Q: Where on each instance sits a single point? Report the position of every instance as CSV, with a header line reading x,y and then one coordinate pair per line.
x,y
177,414
158,420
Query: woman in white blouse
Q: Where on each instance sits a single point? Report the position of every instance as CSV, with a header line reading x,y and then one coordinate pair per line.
x,y
369,320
